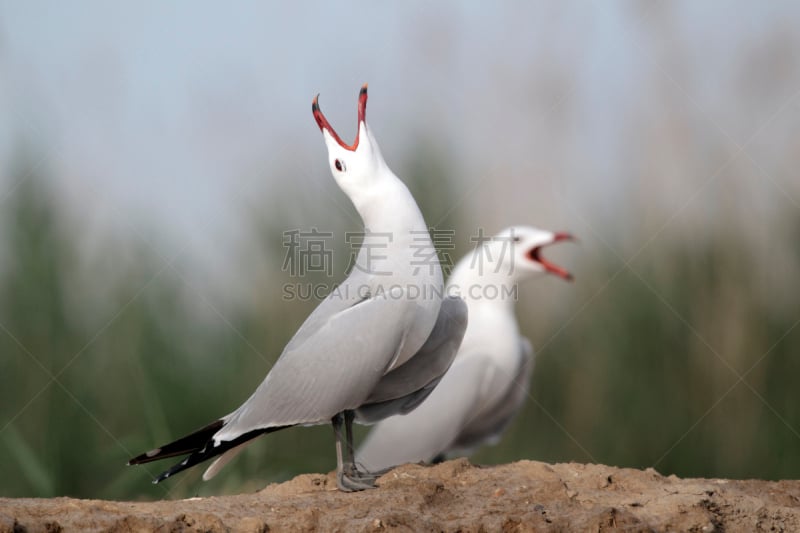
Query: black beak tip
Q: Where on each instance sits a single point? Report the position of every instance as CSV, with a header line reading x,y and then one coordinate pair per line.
x,y
363,90
315,104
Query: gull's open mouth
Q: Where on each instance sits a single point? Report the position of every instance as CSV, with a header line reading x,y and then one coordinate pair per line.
x,y
323,123
535,254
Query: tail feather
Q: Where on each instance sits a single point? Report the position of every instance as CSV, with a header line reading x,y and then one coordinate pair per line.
x,y
220,462
190,443
210,450
199,446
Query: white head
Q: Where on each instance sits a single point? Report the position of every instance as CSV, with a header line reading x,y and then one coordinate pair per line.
x,y
516,252
527,244
359,166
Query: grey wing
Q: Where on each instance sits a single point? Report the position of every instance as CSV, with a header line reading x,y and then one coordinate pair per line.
x,y
405,387
432,427
488,428
327,370
342,297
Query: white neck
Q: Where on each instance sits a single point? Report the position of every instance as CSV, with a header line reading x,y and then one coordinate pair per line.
x,y
387,206
392,220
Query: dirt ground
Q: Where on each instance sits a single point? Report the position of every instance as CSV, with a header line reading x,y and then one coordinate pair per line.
x,y
452,496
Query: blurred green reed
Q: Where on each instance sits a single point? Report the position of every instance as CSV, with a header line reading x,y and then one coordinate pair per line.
x,y
100,360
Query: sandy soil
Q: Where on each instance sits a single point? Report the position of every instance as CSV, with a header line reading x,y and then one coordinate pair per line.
x,y
452,496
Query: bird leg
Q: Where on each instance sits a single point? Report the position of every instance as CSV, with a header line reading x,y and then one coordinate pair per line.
x,y
348,478
354,472
348,426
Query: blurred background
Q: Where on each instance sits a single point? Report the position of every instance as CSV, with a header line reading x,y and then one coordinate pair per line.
x,y
153,155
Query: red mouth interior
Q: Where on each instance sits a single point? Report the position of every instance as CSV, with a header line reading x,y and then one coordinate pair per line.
x,y
535,254
323,123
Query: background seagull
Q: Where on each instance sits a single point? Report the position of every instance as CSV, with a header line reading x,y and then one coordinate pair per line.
x,y
374,347
488,381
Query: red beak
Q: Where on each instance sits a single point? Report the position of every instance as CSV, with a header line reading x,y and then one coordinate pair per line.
x,y
535,254
323,123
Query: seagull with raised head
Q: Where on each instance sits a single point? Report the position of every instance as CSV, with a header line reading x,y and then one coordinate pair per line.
x,y
487,383
375,347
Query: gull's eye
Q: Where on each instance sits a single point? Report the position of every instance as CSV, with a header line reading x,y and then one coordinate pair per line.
x,y
339,164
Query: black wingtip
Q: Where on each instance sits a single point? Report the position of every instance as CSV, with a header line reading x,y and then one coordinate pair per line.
x,y
190,443
210,449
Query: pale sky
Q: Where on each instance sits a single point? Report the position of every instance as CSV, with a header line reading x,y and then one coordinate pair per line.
x,y
168,116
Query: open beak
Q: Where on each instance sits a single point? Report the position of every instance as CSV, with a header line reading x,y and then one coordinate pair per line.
x,y
324,125
535,254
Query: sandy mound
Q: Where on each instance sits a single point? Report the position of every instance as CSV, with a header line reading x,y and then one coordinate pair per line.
x,y
452,496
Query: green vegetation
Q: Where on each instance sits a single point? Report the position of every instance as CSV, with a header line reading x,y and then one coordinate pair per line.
x,y
100,359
